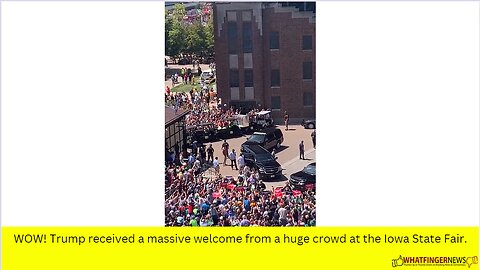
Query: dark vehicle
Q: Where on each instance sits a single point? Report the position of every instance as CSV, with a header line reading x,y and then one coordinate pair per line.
x,y
201,133
301,179
310,124
228,132
268,138
259,157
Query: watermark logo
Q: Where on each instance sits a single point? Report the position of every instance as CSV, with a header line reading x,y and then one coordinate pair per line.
x,y
434,261
397,262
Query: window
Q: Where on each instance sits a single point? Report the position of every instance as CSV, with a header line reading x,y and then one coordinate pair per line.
x,y
307,43
247,37
310,6
307,70
232,37
307,99
233,77
274,44
275,78
248,77
275,103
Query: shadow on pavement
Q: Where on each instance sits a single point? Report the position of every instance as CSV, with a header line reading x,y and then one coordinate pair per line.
x,y
283,147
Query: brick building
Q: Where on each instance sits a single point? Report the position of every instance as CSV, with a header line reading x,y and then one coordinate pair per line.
x,y
265,56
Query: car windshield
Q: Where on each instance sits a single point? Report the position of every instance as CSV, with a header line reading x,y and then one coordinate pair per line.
x,y
256,138
310,169
263,157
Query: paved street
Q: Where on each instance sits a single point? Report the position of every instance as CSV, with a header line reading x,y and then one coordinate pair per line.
x,y
288,155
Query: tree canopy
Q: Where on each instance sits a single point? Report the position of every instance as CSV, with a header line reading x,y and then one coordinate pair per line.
x,y
188,33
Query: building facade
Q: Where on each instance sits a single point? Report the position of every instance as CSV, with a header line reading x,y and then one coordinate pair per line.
x,y
265,56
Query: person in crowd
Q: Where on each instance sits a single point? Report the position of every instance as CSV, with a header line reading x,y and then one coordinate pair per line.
x,y
241,162
216,165
210,152
301,147
233,159
225,147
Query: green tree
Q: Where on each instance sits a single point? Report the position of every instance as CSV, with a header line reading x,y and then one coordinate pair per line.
x,y
195,39
209,37
176,39
187,38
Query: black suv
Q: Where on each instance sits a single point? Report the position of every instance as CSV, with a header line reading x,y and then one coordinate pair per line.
x,y
268,138
259,157
301,179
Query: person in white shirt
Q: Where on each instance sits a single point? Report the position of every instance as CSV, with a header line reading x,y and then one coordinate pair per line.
x,y
241,162
216,165
233,159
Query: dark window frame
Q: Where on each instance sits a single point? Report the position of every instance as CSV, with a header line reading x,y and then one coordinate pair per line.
x,y
308,43
274,40
247,37
234,80
273,103
232,37
308,96
247,81
275,78
307,73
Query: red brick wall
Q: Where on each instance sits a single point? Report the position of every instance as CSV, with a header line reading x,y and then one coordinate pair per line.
x,y
289,59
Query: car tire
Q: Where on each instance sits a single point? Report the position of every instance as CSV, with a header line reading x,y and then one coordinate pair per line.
x,y
311,126
278,145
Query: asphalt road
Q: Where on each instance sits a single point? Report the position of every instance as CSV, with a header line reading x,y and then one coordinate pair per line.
x,y
288,154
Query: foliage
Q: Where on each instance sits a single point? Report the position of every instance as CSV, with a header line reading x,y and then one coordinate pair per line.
x,y
185,37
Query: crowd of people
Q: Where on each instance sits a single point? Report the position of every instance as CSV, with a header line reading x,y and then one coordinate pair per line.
x,y
193,199
204,107
198,196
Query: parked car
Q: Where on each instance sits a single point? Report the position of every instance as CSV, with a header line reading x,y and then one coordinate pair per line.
x,y
207,76
267,138
259,157
301,179
310,124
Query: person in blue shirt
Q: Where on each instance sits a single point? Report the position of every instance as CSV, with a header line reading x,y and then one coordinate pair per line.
x,y
246,204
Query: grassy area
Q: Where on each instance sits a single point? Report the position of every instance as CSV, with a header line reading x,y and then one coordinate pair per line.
x,y
187,87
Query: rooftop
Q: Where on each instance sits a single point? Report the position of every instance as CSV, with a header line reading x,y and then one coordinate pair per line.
x,y
170,115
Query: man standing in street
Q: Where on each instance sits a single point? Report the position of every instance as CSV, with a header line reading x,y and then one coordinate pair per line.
x,y
301,147
210,153
225,152
233,159
241,162
216,166
286,120
314,136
